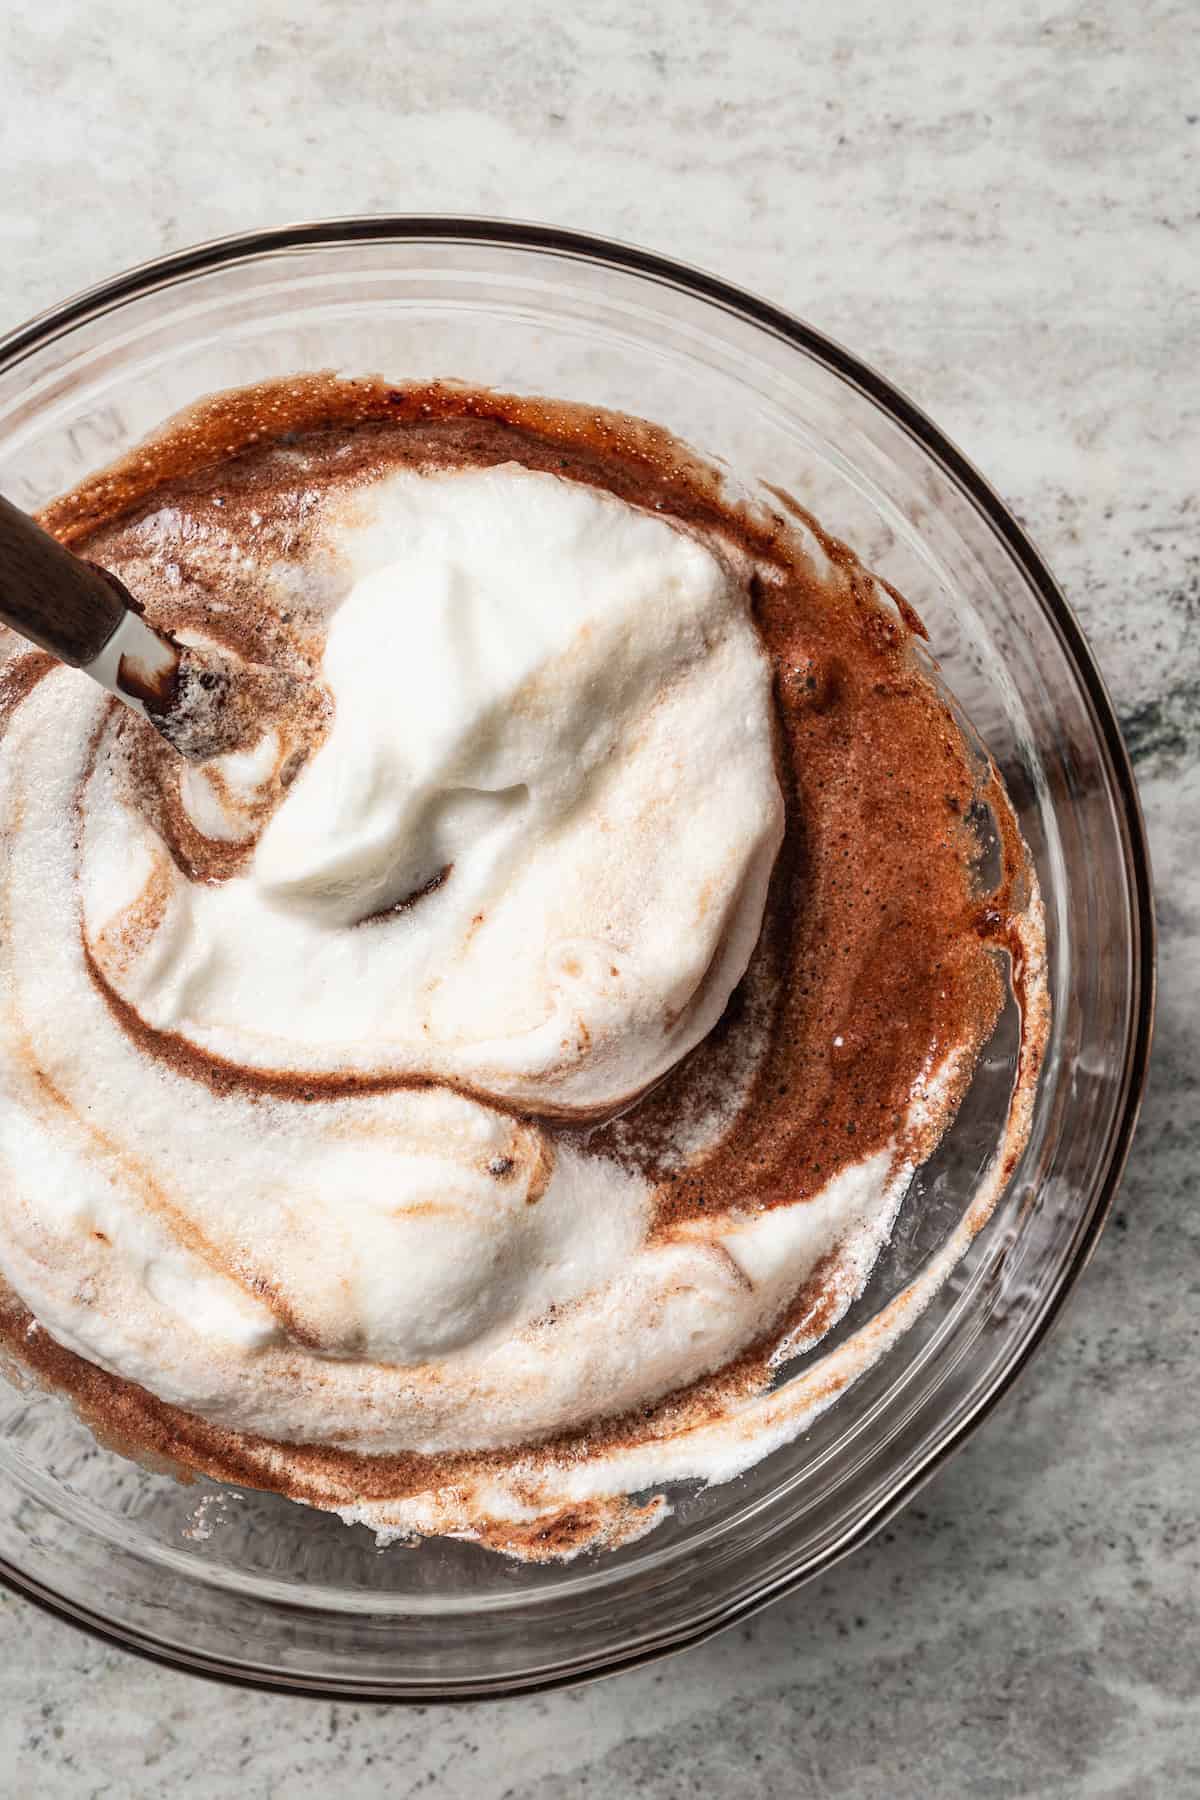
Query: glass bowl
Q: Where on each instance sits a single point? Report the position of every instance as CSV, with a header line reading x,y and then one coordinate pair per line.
x,y
252,1587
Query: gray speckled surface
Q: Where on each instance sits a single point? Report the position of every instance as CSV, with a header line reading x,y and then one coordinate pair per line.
x,y
999,207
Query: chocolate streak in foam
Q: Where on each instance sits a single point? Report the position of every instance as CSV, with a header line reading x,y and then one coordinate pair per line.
x,y
878,956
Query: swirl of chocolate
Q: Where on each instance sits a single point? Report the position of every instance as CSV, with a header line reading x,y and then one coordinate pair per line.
x,y
451,1107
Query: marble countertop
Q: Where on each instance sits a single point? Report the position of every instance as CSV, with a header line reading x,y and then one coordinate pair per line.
x,y
998,207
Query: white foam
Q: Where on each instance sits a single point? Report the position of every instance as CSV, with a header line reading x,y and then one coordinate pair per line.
x,y
563,700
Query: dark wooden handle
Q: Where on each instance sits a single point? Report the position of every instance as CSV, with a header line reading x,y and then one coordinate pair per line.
x,y
65,605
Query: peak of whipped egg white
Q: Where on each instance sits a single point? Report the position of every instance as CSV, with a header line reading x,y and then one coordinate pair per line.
x,y
530,855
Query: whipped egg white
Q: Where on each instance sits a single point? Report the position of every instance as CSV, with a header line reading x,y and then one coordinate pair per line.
x,y
515,883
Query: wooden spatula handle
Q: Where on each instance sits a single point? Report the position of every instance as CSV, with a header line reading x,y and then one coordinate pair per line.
x,y
68,606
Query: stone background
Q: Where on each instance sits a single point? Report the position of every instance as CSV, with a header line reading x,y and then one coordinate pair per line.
x,y
1000,207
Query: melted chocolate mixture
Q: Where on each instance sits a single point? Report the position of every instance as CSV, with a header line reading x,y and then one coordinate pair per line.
x,y
880,950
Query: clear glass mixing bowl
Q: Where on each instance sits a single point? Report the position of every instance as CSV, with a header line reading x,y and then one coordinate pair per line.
x,y
252,1587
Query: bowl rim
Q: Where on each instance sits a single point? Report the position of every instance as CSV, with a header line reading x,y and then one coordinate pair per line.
x,y
164,271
